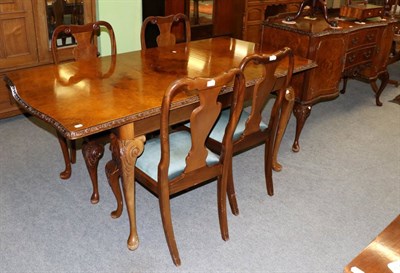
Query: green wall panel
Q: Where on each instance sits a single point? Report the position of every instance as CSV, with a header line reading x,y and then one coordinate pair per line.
x,y
125,16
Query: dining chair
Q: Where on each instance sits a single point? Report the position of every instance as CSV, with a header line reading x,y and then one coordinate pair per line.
x,y
178,160
58,12
160,31
156,31
170,30
85,49
251,130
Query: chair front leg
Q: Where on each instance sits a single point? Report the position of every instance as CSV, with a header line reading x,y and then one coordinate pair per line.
x,y
221,195
165,208
268,165
232,194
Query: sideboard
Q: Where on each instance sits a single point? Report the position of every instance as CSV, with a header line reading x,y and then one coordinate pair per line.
x,y
353,50
254,12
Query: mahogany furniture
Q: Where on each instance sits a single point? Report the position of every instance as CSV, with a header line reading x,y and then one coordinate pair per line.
x,y
395,51
179,160
382,254
85,50
128,100
165,30
361,10
251,131
240,19
352,50
313,6
287,106
224,16
252,13
57,9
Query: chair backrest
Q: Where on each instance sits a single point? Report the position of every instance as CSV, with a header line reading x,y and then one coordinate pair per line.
x,y
84,36
58,11
266,83
202,118
166,26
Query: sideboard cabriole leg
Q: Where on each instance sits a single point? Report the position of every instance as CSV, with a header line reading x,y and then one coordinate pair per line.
x,y
384,78
92,152
129,149
301,112
287,109
113,174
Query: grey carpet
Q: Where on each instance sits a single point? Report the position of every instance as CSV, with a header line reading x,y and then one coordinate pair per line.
x,y
331,200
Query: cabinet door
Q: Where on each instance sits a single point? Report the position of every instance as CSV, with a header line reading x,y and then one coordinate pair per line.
x,y
17,32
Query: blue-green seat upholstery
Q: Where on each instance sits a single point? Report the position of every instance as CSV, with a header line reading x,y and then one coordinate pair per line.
x,y
219,129
180,144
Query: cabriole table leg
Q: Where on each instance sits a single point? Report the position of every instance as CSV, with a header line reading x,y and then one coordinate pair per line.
x,y
129,149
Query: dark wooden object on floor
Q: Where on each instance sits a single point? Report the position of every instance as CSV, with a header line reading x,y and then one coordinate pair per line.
x,y
85,51
383,250
251,131
179,160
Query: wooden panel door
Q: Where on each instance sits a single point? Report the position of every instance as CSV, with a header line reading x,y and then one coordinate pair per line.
x,y
18,39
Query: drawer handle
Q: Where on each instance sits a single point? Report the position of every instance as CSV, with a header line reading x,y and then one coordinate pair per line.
x,y
354,41
370,37
352,58
367,54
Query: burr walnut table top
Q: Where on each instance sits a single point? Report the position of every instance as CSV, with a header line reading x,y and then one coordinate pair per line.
x,y
81,99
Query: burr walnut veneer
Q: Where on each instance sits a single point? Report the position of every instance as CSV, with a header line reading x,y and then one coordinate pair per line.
x,y
79,101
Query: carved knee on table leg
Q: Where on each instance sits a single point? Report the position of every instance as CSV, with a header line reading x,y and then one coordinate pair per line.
x,y
92,153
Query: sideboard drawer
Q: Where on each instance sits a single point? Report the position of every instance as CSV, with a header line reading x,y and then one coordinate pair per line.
x,y
359,56
362,37
372,13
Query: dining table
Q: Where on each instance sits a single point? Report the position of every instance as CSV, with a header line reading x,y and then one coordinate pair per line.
x,y
123,94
